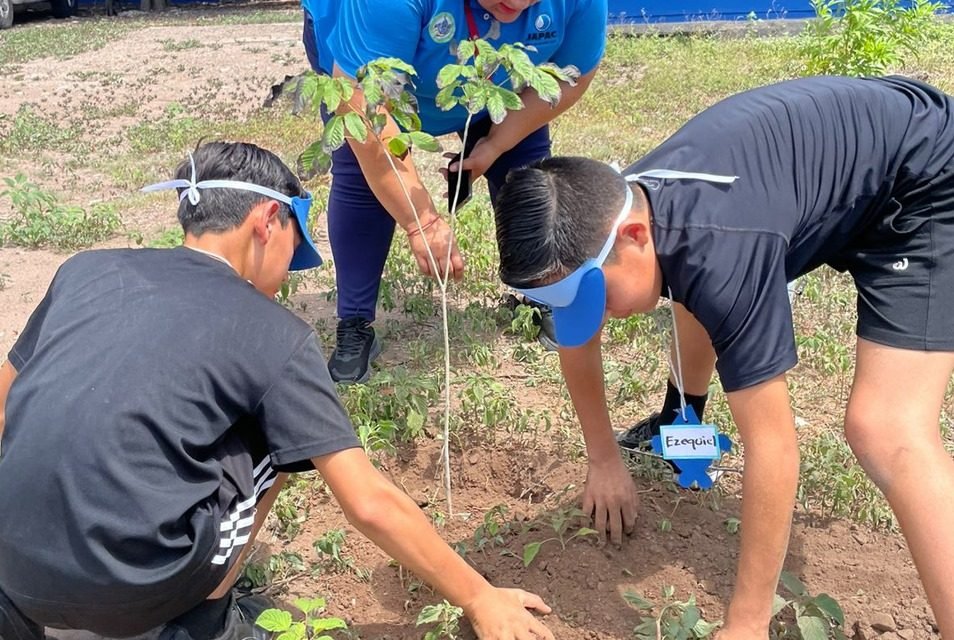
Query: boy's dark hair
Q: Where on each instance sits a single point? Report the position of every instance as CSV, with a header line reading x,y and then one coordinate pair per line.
x,y
553,216
223,209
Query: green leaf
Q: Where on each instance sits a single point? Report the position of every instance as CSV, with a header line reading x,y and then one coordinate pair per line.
x,y
356,127
646,629
830,607
546,87
778,604
328,624
466,50
446,99
274,620
424,141
292,634
496,108
511,100
404,120
633,599
530,552
429,615
812,628
703,629
691,616
307,605
448,75
313,161
793,584
333,137
399,145
586,531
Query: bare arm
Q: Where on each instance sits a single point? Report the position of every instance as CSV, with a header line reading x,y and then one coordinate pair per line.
x,y
391,520
764,416
7,375
610,493
386,184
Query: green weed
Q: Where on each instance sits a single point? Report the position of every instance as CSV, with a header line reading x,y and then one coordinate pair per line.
x,y
41,220
815,617
675,620
314,626
445,619
561,523
30,131
865,37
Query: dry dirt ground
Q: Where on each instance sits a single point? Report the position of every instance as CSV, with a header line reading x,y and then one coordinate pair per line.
x,y
869,573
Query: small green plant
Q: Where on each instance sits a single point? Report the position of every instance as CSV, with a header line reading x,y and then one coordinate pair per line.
x,y
167,239
525,322
676,620
815,617
493,529
865,37
170,44
315,626
328,547
445,618
732,525
560,521
41,220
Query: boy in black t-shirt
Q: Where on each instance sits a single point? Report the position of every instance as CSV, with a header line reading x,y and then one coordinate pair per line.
x,y
753,192
151,406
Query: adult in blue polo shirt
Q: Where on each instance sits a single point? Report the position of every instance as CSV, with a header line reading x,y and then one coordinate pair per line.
x,y
366,199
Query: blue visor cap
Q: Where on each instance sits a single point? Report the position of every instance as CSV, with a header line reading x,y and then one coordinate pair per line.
x,y
578,301
306,256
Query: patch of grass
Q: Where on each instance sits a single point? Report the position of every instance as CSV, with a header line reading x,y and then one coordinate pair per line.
x,y
31,131
171,44
176,129
41,220
833,484
167,239
61,41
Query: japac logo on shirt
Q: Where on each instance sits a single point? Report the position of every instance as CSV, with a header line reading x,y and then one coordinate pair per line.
x,y
543,26
441,27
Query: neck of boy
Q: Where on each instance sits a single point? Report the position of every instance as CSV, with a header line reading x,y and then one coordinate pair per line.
x,y
219,247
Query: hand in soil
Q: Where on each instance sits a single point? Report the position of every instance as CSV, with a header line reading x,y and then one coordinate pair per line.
x,y
610,499
502,614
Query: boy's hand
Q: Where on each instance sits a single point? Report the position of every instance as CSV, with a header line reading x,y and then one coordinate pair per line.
x,y
502,614
610,498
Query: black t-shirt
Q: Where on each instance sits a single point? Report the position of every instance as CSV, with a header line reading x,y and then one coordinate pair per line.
x,y
819,160
139,374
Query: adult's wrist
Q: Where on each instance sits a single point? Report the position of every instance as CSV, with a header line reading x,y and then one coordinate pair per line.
x,y
421,224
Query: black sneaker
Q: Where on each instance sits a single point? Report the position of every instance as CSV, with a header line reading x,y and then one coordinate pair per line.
x,y
640,435
239,622
356,349
547,335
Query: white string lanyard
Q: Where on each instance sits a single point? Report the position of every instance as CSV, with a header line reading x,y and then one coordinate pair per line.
x,y
669,174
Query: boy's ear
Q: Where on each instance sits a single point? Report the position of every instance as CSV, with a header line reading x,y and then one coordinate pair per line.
x,y
635,230
264,217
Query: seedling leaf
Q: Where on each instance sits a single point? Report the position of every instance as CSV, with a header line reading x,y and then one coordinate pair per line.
x,y
274,620
812,628
778,604
793,584
703,629
356,127
424,141
530,552
633,599
328,624
829,606
333,136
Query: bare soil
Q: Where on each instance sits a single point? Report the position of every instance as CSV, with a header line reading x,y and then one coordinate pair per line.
x,y
869,573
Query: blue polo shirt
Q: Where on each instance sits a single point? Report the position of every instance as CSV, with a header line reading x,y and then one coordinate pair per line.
x,y
349,33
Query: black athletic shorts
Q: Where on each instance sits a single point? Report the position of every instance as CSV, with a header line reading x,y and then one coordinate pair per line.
x,y
120,610
903,269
